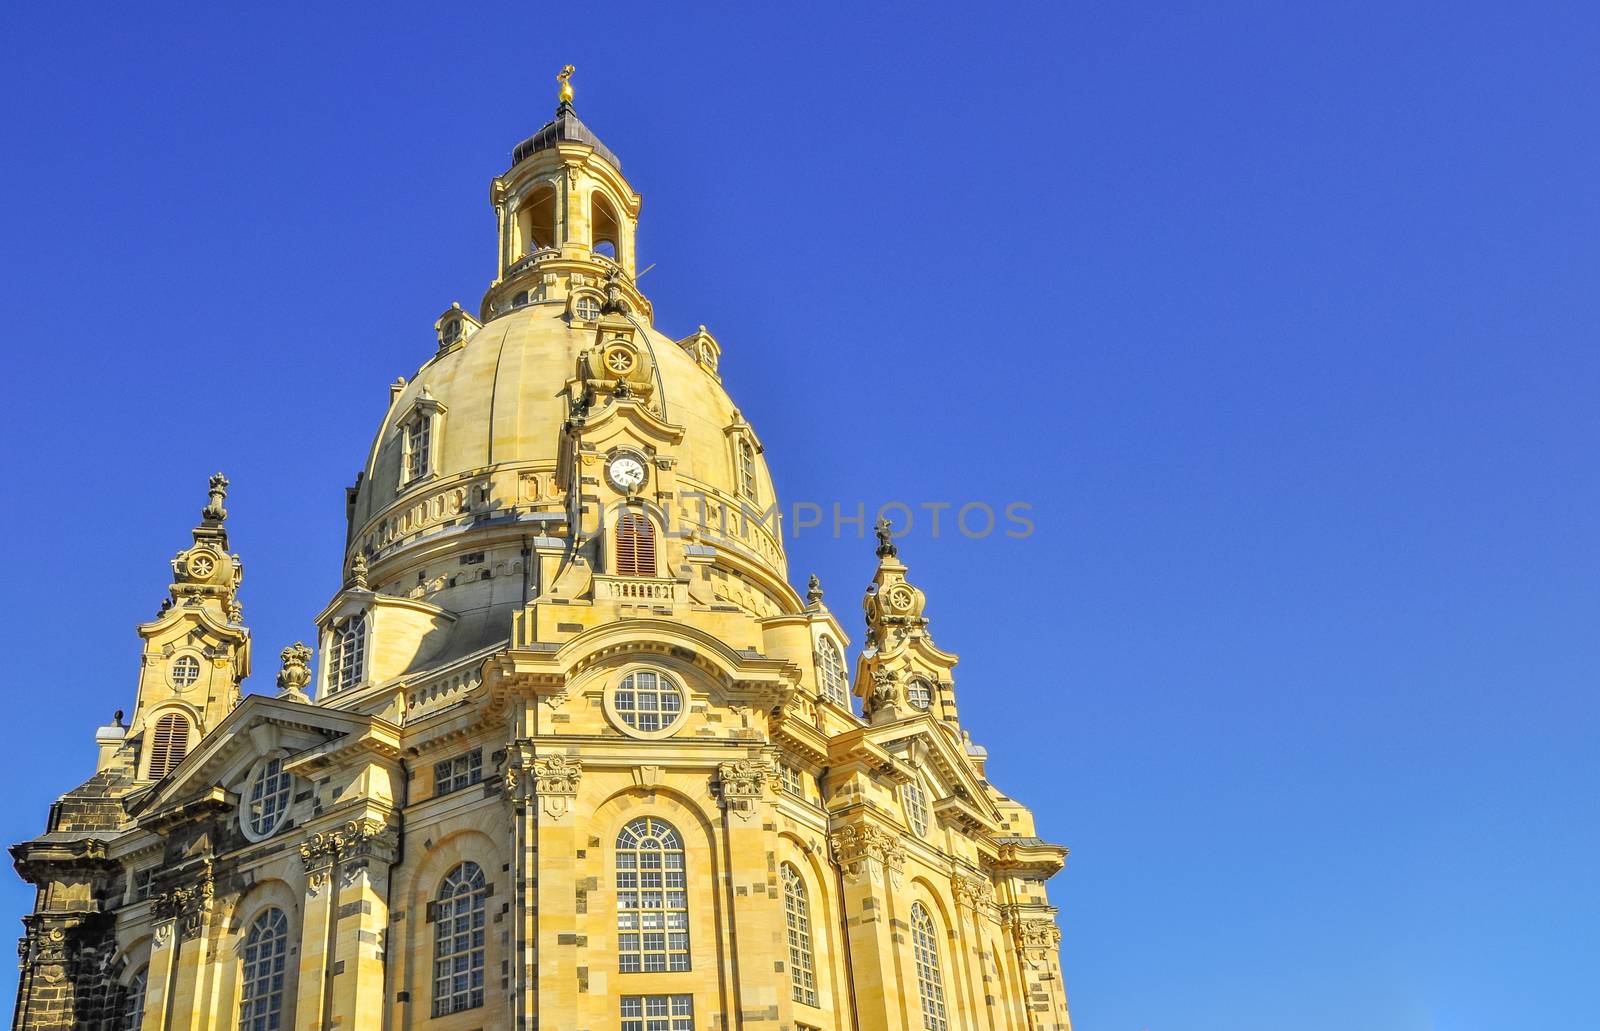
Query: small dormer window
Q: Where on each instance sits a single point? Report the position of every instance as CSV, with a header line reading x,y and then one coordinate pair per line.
x,y
451,332
418,447
747,469
348,655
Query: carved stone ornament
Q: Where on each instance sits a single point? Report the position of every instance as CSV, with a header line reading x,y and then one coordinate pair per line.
x,y
973,892
218,492
888,696
185,905
357,839
1036,939
741,784
862,850
295,673
555,781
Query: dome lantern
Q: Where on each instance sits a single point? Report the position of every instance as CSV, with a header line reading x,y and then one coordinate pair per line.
x,y
564,210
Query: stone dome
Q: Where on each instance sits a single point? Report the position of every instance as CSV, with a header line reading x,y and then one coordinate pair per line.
x,y
503,397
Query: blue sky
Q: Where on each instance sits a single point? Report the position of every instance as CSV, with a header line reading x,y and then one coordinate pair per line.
x,y
1281,317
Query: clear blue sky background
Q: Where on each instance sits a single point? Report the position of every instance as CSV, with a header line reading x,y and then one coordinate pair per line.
x,y
1283,317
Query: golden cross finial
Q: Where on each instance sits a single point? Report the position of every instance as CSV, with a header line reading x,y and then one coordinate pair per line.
x,y
565,78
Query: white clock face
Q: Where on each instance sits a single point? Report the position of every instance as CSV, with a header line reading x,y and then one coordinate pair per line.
x,y
626,473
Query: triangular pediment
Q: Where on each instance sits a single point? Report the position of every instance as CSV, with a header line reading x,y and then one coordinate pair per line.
x,y
917,743
258,726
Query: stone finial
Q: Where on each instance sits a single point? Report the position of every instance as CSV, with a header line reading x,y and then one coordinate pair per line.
x,y
214,512
296,672
358,572
813,592
885,532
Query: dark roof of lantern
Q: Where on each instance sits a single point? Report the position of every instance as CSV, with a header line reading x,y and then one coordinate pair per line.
x,y
565,128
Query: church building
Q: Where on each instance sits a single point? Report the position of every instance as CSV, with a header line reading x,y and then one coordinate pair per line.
x,y
569,751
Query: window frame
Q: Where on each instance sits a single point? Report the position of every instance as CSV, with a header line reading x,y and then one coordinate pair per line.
x,y
631,873
636,553
347,652
914,800
473,888
247,810
130,1008
277,978
643,1020
930,974
472,772
926,688
797,927
616,712
170,752
833,680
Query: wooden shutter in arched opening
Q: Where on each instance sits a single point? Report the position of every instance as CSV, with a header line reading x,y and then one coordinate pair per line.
x,y
168,744
636,546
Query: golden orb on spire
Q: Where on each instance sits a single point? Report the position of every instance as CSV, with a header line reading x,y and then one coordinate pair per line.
x,y
565,78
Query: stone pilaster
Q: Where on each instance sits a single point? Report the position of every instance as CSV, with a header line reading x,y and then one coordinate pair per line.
x,y
746,790
871,858
558,950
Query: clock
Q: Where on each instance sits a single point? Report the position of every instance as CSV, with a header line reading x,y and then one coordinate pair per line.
x,y
626,473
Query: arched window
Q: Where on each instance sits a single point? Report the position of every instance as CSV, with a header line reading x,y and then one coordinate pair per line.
x,y
636,546
831,665
458,937
347,659
266,949
919,694
916,803
536,218
797,916
132,1012
606,227
269,798
652,898
169,743
747,469
930,983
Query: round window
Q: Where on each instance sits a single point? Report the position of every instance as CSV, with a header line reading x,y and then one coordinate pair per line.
x,y
268,800
919,694
586,308
185,671
648,701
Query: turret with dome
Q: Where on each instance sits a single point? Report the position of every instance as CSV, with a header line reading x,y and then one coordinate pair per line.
x,y
570,750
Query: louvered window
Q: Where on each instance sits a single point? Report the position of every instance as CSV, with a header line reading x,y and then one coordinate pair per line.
x,y
636,546
169,743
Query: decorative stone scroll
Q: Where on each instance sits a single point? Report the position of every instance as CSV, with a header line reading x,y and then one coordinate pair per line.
x,y
555,782
976,893
185,906
359,839
741,784
862,850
